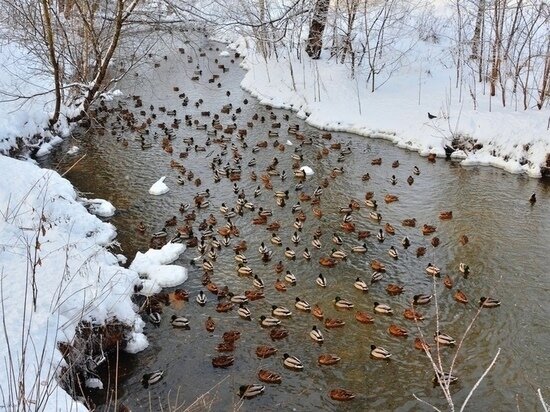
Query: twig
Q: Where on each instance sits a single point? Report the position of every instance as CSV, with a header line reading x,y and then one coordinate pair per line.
x,y
479,381
73,165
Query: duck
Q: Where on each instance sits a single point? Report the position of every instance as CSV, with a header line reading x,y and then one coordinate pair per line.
x,y
207,265
321,281
360,248
485,302
421,299
375,216
292,362
421,344
225,347
433,270
420,251
181,294
269,377
338,254
410,222
244,270
336,239
290,277
393,252
341,395
224,307
380,236
464,269
223,361
460,297
393,289
378,352
258,282
428,229
446,215
279,267
448,282
342,303
231,336
280,286
141,228
334,323
240,258
411,314
435,241
254,295
410,180
316,335
306,255
327,262
280,311
179,322
389,198
209,324
155,318
376,276
390,230
416,171
382,308
295,238
251,391
264,351
276,240
463,240
393,180
290,254
533,199
371,203
397,331
152,378
328,359
201,298
360,285
238,299
302,305
278,333
316,243
363,317
378,266
444,339
269,321
318,312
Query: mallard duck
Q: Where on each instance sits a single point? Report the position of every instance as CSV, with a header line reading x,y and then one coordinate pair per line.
x,y
435,241
327,262
338,254
448,282
337,240
365,177
393,180
262,249
302,305
432,270
295,238
179,322
380,236
223,361
151,378
269,321
244,312
342,303
321,281
444,339
410,180
376,162
280,285
378,266
250,391
318,312
306,255
421,251
269,377
290,278
278,333
390,198
264,351
379,352
201,298
212,287
342,395
210,325
316,335
275,239
231,336
428,229
411,314
393,289
316,243
463,240
409,222
181,294
361,285
416,171
328,359
279,267
376,276
360,248
390,230
382,308
290,254
363,317
371,203
488,302
224,307
421,344
375,216
398,331
421,299
207,265
334,323
446,215
292,362
393,252
155,318
244,270
225,347
240,258
465,269
254,295
317,212
460,297
280,311
141,228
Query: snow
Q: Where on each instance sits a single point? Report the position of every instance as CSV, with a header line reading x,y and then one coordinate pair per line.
x,y
73,150
159,187
224,53
76,276
99,207
154,266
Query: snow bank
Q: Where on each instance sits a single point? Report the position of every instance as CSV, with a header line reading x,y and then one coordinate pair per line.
x,y
154,266
159,187
75,277
99,207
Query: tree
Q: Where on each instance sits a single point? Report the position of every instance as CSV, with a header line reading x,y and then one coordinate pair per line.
x,y
317,28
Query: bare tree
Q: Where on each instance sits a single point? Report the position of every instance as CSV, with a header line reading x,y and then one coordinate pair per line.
x,y
317,28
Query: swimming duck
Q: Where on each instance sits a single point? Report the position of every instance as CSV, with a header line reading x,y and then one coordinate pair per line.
x,y
209,324
338,254
328,359
435,241
371,203
409,222
378,266
488,302
342,395
389,198
416,171
363,317
318,312
257,282
224,307
376,276
280,311
141,228
327,262
306,255
334,323
155,318
421,299
290,278
276,240
428,229
420,251
278,333
432,270
290,254
151,378
241,258
390,230
179,322
238,299
363,234
379,352
448,282
342,303
411,314
280,286
298,224
264,351
279,267
421,344
533,198
397,331
336,239
181,294
201,298
207,265
393,252
302,305
394,289
254,295
321,281
463,240
359,249
269,377
292,362
465,269
446,215
295,238
244,270
223,361
382,308
410,180
375,216
460,297
316,335
360,285
316,243
444,339
380,236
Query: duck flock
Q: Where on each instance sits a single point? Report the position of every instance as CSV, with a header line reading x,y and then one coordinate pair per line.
x,y
293,224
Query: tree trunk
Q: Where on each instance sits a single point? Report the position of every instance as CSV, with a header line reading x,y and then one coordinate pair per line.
x,y
545,86
316,29
476,40
53,61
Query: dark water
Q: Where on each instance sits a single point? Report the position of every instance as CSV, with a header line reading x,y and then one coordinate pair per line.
x,y
507,253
